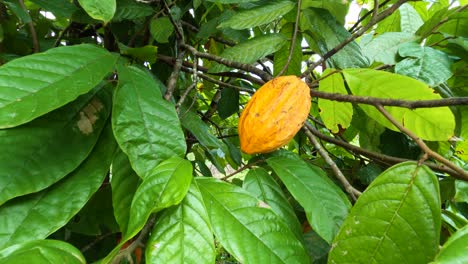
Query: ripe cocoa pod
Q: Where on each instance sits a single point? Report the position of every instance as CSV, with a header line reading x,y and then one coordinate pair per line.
x,y
274,114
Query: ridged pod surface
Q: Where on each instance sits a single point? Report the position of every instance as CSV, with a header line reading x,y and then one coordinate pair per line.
x,y
274,114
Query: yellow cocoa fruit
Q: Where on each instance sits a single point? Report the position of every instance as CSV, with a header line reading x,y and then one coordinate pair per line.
x,y
274,114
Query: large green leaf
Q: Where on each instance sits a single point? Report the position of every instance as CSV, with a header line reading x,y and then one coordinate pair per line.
x,y
165,186
247,228
261,184
60,8
384,47
323,33
161,29
39,153
258,16
130,9
424,63
37,84
42,252
325,204
335,115
396,220
232,1
37,215
124,184
435,124
338,8
145,125
101,10
282,55
251,50
410,19
228,104
182,233
454,250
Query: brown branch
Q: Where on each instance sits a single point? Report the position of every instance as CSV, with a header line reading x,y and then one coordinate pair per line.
x,y
387,12
294,38
35,41
411,104
247,166
172,82
461,174
353,192
378,157
366,15
234,64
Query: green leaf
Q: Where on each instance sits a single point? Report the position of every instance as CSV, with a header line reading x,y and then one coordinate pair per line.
x,y
59,8
228,104
335,115
124,184
454,250
16,8
161,29
323,33
182,233
251,50
384,47
193,123
410,20
338,8
39,153
402,200
247,228
145,125
42,252
232,1
282,55
101,10
424,63
259,183
325,204
258,16
131,10
146,53
37,215
165,186
461,191
37,84
435,124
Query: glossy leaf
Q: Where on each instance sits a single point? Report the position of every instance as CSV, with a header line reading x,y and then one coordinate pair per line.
x,y
145,125
42,252
282,55
258,16
410,19
34,85
161,29
130,9
124,184
37,215
252,50
261,184
402,200
165,186
232,1
101,10
60,8
424,63
67,134
435,124
335,115
247,228
325,204
193,123
454,250
228,104
384,47
323,33
182,234
337,8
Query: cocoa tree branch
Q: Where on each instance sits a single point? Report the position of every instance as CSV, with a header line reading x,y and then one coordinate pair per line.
x,y
378,157
461,174
294,39
411,104
35,41
353,192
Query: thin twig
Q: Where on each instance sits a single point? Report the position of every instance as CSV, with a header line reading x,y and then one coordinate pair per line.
x,y
172,82
378,157
387,12
353,192
461,174
411,104
35,41
192,86
247,166
294,38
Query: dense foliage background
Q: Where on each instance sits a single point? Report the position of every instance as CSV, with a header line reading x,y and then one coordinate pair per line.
x,y
119,144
